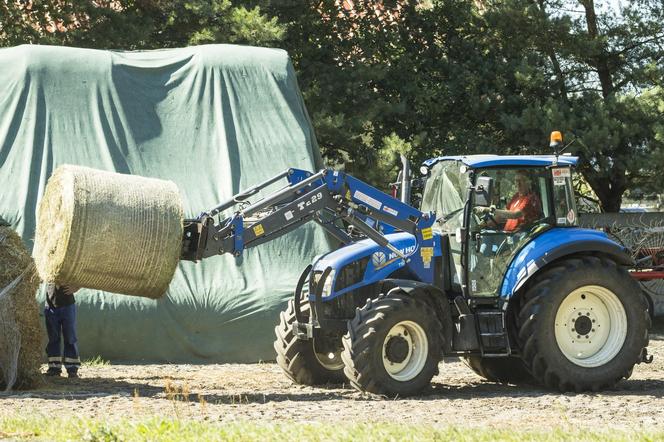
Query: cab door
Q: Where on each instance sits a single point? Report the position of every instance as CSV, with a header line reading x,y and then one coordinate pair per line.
x,y
520,208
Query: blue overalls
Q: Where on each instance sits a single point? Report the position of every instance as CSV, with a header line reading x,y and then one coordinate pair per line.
x,y
60,315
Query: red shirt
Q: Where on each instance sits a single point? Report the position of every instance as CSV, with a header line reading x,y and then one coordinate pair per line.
x,y
530,207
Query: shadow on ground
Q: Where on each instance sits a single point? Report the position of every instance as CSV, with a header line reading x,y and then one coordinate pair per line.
x,y
84,388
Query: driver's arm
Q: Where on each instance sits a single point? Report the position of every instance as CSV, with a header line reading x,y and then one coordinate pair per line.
x,y
494,217
503,215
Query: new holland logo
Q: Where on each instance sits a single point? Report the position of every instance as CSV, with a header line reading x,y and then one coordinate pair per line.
x,y
378,259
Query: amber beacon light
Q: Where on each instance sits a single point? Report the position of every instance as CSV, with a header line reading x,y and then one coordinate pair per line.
x,y
556,139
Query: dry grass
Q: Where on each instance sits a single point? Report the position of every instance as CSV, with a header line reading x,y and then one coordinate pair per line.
x,y
20,309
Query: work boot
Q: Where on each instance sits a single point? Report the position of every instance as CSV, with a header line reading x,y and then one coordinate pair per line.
x,y
72,373
53,372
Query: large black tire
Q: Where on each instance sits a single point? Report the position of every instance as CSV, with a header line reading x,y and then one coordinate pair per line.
x,y
563,312
509,370
394,331
299,359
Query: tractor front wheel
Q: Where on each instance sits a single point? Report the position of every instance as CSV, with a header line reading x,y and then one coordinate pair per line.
x,y
583,325
299,359
393,345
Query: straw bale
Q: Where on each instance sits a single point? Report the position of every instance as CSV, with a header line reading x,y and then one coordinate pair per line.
x,y
109,231
21,342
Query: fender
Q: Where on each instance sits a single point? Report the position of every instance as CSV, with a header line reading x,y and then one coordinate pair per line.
x,y
435,295
555,244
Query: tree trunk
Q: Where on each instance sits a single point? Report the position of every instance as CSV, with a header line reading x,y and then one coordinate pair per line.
x,y
609,190
551,53
599,60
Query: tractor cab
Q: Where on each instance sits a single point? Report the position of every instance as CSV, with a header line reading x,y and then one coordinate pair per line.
x,y
489,207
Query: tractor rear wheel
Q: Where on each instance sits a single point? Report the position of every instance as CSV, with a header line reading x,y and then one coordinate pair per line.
x,y
583,325
509,370
299,359
393,345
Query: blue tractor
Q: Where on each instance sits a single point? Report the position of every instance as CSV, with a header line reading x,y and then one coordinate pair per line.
x,y
491,268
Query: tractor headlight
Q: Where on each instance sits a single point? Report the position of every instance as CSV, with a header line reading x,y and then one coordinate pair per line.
x,y
328,284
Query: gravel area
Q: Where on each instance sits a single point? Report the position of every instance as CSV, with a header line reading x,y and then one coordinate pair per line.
x,y
261,393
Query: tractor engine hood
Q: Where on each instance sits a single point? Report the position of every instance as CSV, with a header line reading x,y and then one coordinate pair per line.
x,y
365,262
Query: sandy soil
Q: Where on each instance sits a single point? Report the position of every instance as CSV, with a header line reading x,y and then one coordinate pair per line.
x,y
260,392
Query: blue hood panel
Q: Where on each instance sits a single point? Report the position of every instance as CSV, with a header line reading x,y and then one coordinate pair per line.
x,y
383,262
352,252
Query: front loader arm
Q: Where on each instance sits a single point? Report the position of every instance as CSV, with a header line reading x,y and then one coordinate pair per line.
x,y
322,197
204,238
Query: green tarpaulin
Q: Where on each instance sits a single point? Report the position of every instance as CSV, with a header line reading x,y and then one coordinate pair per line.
x,y
214,119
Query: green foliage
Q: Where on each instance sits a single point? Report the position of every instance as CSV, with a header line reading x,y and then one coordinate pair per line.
x,y
95,361
448,77
218,21
373,75
425,77
135,24
595,68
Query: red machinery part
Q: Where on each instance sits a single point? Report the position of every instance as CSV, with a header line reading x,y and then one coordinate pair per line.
x,y
647,275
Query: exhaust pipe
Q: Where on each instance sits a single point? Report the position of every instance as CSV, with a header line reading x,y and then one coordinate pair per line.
x,y
405,180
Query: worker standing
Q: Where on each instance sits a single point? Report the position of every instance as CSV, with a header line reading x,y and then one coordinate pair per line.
x,y
60,315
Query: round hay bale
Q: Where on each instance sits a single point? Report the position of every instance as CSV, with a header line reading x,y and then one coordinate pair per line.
x,y
109,231
21,343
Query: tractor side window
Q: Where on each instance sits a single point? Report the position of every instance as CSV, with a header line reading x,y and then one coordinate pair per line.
x,y
543,184
520,200
563,197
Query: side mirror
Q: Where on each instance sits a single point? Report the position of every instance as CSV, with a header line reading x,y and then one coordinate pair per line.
x,y
484,191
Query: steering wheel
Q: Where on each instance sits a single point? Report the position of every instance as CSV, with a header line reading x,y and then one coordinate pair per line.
x,y
485,217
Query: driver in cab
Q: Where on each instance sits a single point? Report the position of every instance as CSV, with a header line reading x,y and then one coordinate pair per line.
x,y
523,209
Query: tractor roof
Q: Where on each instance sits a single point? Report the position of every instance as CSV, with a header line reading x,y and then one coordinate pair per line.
x,y
476,161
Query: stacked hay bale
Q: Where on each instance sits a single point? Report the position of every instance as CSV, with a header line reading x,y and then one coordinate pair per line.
x,y
109,231
21,344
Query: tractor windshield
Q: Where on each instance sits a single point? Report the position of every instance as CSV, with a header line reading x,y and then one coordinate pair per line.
x,y
445,193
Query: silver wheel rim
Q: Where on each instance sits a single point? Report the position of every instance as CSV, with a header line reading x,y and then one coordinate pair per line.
x,y
416,356
591,326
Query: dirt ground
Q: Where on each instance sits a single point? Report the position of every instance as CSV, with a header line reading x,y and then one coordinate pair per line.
x,y
261,393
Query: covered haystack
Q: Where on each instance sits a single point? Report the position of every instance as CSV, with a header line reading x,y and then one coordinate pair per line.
x,y
21,345
109,231
214,119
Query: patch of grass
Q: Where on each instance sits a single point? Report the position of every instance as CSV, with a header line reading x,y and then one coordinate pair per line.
x,y
158,429
96,361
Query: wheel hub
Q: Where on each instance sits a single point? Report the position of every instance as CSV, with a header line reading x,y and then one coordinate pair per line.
x,y
583,324
396,349
330,361
405,350
328,356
